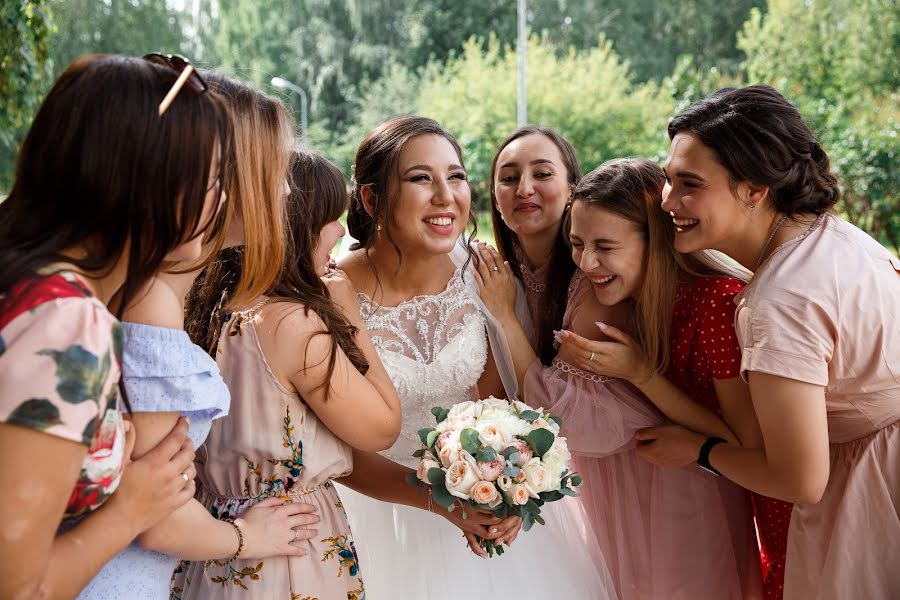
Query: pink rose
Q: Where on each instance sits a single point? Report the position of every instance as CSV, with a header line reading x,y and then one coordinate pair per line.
x,y
427,463
518,494
523,450
485,492
441,440
490,471
461,477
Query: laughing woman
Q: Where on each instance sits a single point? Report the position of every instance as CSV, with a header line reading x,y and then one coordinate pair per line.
x,y
817,326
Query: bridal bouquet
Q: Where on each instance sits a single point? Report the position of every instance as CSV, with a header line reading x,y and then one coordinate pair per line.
x,y
498,456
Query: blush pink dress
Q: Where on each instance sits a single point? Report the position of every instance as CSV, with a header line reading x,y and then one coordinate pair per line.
x,y
679,534
825,309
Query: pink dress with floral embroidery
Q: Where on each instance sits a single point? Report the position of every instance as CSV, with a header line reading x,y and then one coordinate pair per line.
x,y
59,369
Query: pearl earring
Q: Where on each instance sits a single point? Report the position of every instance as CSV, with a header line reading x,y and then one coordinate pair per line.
x,y
378,227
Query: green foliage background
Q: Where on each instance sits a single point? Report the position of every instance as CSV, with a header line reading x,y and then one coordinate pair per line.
x,y
607,73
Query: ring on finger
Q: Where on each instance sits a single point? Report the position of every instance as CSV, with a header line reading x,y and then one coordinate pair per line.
x,y
495,269
591,358
296,536
185,477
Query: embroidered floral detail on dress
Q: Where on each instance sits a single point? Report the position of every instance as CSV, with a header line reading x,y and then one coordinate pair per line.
x,y
278,486
343,549
236,577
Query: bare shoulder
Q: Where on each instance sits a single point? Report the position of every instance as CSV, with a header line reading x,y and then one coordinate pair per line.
x,y
157,304
359,270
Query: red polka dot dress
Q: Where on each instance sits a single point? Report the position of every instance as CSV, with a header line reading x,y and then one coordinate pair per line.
x,y
705,347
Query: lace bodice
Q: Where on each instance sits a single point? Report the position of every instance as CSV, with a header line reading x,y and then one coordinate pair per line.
x,y
434,349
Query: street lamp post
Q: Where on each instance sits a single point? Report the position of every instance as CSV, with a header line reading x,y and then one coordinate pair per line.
x,y
284,84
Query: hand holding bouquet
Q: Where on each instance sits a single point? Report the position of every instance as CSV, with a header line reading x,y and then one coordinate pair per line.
x,y
495,456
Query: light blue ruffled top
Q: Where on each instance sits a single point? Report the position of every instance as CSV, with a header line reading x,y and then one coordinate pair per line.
x,y
163,372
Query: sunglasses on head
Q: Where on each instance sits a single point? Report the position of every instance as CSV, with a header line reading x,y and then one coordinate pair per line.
x,y
186,74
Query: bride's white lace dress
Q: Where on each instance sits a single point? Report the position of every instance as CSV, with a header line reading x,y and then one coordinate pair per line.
x,y
435,349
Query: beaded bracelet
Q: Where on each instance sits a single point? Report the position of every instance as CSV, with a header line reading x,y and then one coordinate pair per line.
x,y
225,563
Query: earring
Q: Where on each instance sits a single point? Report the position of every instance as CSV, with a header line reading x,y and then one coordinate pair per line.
x,y
378,227
752,208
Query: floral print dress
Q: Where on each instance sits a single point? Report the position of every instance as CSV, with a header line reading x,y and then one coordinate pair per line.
x,y
271,444
60,352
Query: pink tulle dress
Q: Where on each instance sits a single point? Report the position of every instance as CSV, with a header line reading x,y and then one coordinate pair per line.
x,y
679,534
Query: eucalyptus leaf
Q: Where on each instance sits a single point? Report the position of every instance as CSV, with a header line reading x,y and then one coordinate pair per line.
x,y
470,441
431,438
512,470
419,453
543,440
530,415
488,454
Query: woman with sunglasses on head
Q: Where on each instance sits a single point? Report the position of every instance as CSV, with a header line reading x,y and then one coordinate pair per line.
x,y
97,205
817,325
307,387
166,375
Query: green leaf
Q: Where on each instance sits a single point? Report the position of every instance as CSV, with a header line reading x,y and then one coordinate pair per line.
x,y
470,441
556,420
36,412
539,519
568,492
76,373
527,521
530,415
440,414
577,481
412,480
436,476
551,496
419,453
423,435
512,470
488,454
543,439
443,497
431,438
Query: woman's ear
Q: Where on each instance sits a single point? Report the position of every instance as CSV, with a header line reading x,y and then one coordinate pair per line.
x,y
755,194
368,199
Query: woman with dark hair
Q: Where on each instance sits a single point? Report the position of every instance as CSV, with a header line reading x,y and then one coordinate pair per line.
x,y
306,388
167,376
415,280
531,178
817,326
674,308
116,174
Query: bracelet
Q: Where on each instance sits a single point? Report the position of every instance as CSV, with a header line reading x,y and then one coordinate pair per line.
x,y
430,501
240,548
705,449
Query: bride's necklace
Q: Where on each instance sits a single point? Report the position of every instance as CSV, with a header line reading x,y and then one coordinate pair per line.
x,y
768,241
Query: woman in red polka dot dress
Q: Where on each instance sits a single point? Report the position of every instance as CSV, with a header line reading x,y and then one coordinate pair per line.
x,y
687,359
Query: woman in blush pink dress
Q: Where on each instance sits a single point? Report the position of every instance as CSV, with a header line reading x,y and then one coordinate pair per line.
x,y
664,533
817,326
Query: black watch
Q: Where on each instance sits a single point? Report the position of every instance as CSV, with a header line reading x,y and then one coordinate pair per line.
x,y
703,457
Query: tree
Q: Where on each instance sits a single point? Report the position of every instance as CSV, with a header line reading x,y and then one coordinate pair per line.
x,y
840,64
24,64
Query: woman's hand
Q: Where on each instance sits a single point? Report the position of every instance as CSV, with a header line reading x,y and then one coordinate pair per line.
x,y
485,525
342,293
620,358
496,283
669,446
274,527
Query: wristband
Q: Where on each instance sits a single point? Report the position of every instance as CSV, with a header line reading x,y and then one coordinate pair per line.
x,y
703,457
225,563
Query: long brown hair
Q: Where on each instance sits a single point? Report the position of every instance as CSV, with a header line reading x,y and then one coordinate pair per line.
x,y
262,140
376,166
318,196
632,189
560,268
100,167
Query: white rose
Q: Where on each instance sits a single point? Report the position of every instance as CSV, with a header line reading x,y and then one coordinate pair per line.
x,y
518,494
494,404
463,409
449,454
542,423
485,492
492,436
522,407
462,476
556,461
536,479
425,465
505,482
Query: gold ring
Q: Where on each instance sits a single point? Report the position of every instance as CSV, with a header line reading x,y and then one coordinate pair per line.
x,y
591,357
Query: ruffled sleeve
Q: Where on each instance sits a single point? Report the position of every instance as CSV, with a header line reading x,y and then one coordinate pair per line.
x,y
599,415
165,372
58,368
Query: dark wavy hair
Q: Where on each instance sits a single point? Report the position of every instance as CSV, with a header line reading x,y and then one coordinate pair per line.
x,y
99,166
376,165
560,268
318,196
760,137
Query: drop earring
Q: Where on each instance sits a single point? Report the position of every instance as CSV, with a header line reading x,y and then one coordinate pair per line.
x,y
378,227
752,208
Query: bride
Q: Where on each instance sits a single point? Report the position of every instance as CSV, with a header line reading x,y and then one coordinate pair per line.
x,y
440,346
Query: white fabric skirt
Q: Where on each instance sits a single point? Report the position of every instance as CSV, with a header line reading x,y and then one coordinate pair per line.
x,y
408,553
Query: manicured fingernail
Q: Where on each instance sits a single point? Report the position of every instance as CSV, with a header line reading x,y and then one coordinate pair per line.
x,y
563,334
601,325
